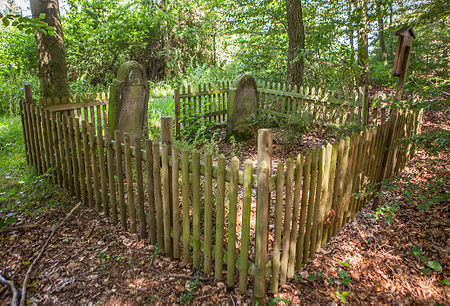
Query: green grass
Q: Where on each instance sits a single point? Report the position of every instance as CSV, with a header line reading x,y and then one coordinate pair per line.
x,y
157,108
22,190
12,151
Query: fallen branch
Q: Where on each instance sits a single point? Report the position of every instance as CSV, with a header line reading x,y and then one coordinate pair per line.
x,y
19,227
27,276
15,293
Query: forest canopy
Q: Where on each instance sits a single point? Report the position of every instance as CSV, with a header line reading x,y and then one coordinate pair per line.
x,y
197,41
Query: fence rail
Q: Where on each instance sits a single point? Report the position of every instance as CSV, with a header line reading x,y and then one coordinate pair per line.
x,y
208,102
197,209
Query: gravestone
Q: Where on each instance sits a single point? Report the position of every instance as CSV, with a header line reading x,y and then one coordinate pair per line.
x,y
128,100
242,105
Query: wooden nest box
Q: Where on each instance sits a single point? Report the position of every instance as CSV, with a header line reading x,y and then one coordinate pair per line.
x,y
405,38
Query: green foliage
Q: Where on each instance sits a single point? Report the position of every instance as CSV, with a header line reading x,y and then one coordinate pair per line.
x,y
343,275
435,265
345,263
445,282
18,66
276,300
416,250
341,296
27,24
381,74
188,297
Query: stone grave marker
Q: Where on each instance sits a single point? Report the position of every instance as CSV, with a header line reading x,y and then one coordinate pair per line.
x,y
128,100
242,104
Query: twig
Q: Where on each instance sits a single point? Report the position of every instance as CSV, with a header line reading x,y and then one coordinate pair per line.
x,y
234,304
10,284
19,227
25,281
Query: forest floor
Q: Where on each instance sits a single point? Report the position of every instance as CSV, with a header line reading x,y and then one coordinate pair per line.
x,y
399,255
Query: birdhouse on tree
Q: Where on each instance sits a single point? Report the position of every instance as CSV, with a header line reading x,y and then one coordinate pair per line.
x,y
405,38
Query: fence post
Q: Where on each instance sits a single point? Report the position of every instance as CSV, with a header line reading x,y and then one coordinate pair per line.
x,y
177,113
26,137
265,147
262,214
167,139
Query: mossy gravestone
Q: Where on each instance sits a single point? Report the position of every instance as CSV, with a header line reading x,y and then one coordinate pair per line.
x,y
128,100
242,105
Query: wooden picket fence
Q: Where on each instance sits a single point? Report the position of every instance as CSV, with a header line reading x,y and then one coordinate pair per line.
x,y
232,223
208,102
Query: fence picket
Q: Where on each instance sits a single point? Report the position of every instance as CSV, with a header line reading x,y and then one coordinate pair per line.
x,y
158,196
150,190
208,213
277,227
185,203
245,229
231,247
102,168
94,162
295,215
262,211
119,172
220,216
303,210
140,188
111,174
165,181
175,204
74,160
312,194
287,220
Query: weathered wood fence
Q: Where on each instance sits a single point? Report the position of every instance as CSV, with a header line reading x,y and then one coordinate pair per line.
x,y
234,224
208,102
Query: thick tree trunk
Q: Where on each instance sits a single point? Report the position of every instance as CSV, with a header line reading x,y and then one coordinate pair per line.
x,y
296,35
363,42
381,32
50,49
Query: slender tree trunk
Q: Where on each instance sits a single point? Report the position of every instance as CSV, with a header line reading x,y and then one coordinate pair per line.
x,y
165,39
296,35
51,52
381,32
391,13
363,41
350,29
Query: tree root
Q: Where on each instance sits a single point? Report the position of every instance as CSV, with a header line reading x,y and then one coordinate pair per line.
x,y
15,293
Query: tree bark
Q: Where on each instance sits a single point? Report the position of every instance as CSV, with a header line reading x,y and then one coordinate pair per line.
x,y
381,31
51,52
296,35
363,42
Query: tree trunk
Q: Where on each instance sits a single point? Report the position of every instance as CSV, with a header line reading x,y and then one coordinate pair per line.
x,y
50,49
165,39
363,42
381,32
391,13
350,29
296,35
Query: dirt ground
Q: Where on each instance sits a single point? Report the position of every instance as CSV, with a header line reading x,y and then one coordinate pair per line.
x,y
92,260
